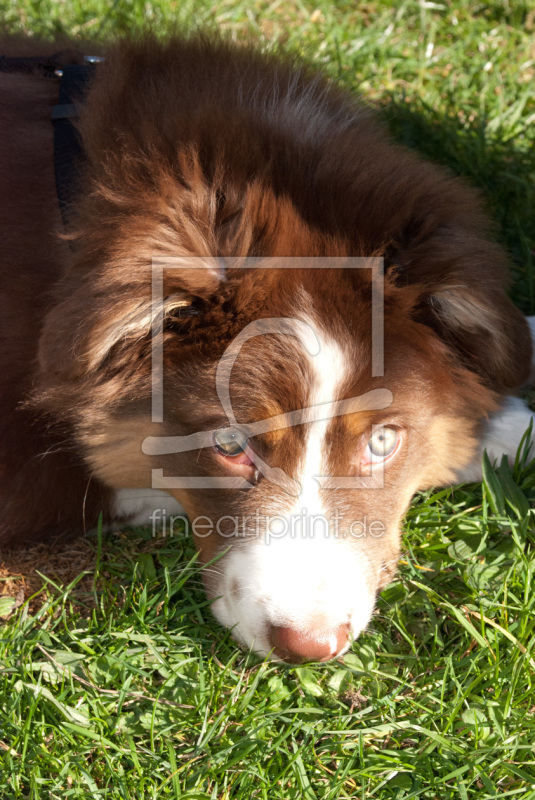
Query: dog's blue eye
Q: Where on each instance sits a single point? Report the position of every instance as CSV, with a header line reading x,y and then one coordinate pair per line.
x,y
382,444
230,442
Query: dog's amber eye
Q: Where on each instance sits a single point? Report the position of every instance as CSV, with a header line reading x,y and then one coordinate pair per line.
x,y
230,442
382,444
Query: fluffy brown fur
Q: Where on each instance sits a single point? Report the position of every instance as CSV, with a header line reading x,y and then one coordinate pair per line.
x,y
201,148
196,149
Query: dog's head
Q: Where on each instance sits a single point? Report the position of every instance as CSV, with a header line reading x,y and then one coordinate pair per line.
x,y
294,462
329,455
294,456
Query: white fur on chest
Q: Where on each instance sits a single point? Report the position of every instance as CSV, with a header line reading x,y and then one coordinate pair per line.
x,y
141,506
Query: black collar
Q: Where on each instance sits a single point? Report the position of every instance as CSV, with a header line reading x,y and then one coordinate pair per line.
x,y
68,153
74,80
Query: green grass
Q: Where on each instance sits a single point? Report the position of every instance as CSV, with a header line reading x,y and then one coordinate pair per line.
x,y
131,690
136,693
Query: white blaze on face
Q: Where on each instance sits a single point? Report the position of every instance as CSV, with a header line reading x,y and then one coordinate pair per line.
x,y
300,574
330,369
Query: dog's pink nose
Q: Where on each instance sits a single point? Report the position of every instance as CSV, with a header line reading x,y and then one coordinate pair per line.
x,y
311,645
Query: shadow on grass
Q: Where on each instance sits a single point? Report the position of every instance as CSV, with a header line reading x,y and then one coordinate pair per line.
x,y
502,170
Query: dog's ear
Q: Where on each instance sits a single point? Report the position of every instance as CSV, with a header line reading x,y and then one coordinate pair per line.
x,y
489,333
460,279
81,332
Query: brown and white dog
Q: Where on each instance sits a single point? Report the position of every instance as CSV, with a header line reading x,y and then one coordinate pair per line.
x,y
200,155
